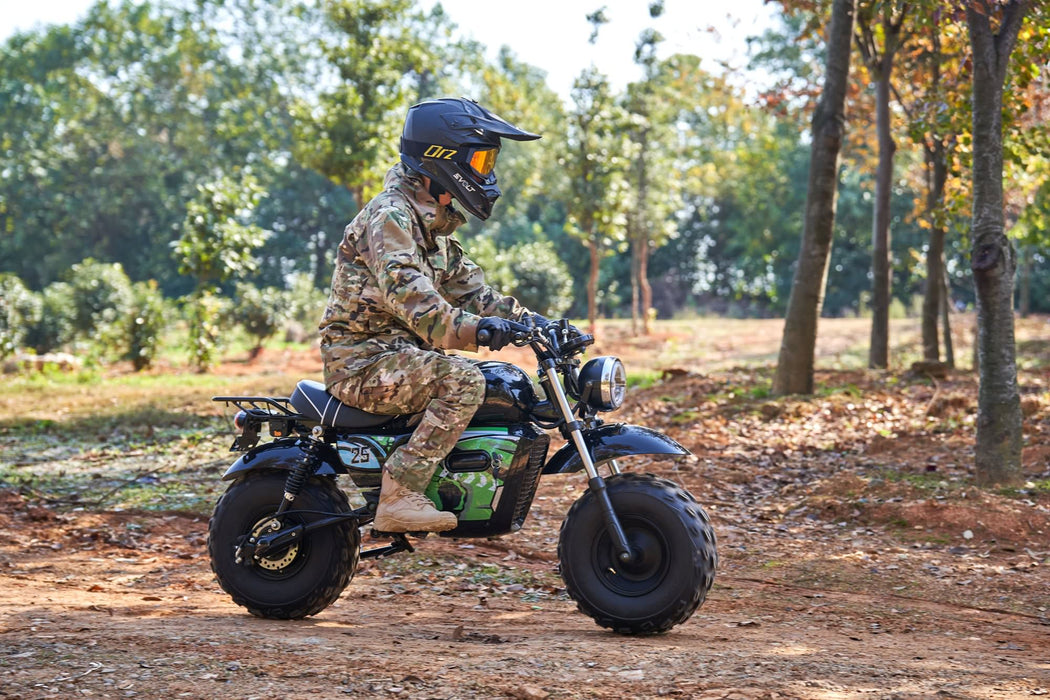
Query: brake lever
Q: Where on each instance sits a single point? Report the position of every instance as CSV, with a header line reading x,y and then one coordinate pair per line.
x,y
523,334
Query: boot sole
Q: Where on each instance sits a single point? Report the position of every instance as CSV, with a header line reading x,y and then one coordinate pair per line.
x,y
387,524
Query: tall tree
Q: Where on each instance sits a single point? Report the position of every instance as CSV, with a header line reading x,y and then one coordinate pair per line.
x,y
217,244
993,258
932,128
654,194
593,165
794,373
881,23
350,134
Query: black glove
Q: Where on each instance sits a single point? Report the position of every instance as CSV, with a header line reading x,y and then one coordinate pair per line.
x,y
537,320
494,332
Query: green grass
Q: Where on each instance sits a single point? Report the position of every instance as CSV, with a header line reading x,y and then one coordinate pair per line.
x,y
851,390
642,378
922,481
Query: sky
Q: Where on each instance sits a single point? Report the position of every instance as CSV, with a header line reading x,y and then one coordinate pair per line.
x,y
549,34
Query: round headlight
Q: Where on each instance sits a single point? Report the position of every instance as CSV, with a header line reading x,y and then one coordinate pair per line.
x,y
603,383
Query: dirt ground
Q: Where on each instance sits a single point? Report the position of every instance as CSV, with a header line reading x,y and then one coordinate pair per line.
x,y
857,560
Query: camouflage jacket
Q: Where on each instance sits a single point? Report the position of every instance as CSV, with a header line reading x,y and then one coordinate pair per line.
x,y
401,278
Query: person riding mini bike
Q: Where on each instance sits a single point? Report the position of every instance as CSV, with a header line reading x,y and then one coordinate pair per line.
x,y
403,291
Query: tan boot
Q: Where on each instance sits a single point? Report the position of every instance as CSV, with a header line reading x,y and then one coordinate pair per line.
x,y
404,510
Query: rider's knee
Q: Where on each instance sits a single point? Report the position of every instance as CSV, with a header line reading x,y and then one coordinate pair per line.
x,y
465,384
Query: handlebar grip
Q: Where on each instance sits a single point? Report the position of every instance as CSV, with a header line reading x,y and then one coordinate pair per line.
x,y
484,336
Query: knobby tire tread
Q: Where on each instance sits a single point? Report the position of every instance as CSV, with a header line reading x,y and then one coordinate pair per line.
x,y
700,532
323,596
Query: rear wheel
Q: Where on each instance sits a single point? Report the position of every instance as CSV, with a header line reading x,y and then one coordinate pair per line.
x,y
299,580
673,563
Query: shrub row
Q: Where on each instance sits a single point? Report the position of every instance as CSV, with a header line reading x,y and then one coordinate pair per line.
x,y
100,312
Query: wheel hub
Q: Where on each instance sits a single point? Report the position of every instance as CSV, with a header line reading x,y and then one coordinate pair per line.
x,y
279,560
646,557
645,569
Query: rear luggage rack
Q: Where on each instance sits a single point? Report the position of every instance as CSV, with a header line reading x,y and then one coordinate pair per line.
x,y
261,406
256,410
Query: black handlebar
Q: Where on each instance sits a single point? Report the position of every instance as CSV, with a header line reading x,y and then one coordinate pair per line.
x,y
558,336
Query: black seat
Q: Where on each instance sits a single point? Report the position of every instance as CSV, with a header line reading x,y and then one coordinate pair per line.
x,y
311,400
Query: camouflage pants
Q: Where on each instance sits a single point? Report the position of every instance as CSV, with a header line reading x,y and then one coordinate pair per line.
x,y
448,390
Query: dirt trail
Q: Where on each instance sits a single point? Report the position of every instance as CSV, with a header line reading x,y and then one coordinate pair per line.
x,y
123,605
856,561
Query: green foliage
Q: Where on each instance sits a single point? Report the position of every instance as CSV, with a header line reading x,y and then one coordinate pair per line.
x,y
531,272
145,324
259,311
101,300
53,326
204,311
15,299
304,302
107,125
216,244
527,170
350,134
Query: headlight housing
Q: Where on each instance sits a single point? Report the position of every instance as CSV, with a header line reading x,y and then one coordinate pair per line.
x,y
603,383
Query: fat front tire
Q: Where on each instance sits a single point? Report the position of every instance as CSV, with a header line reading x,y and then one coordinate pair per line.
x,y
674,556
300,580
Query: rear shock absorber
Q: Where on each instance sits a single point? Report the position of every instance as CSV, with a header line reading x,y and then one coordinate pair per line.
x,y
302,471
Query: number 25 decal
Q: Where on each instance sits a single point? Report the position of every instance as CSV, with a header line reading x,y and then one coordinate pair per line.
x,y
356,454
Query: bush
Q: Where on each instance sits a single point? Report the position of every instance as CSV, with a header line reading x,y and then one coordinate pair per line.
x,y
53,325
101,299
145,324
259,311
305,302
531,272
204,311
16,300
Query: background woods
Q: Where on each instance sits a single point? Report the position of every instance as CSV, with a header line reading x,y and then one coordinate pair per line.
x,y
203,151
682,193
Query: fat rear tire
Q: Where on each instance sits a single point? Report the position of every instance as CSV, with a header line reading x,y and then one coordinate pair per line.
x,y
301,580
675,556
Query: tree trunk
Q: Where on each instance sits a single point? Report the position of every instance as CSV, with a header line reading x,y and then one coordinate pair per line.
x,y
644,286
1025,300
992,257
794,373
936,176
946,309
634,287
592,285
321,276
879,350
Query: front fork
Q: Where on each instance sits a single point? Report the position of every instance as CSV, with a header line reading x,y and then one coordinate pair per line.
x,y
594,480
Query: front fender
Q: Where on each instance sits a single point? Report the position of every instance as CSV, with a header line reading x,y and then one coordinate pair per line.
x,y
282,455
611,441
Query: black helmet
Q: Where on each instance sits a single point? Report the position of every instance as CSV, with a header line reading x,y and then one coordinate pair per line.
x,y
454,142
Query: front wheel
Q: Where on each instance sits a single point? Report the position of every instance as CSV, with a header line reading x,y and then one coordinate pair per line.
x,y
673,563
301,579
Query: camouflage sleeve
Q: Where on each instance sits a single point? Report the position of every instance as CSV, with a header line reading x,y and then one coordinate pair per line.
x,y
408,293
466,286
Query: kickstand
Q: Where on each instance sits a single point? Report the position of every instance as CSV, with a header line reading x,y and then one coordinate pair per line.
x,y
400,544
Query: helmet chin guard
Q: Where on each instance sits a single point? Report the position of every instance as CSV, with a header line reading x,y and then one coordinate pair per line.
x,y
455,142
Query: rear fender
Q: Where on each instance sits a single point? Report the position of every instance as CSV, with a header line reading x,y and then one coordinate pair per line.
x,y
283,455
610,441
